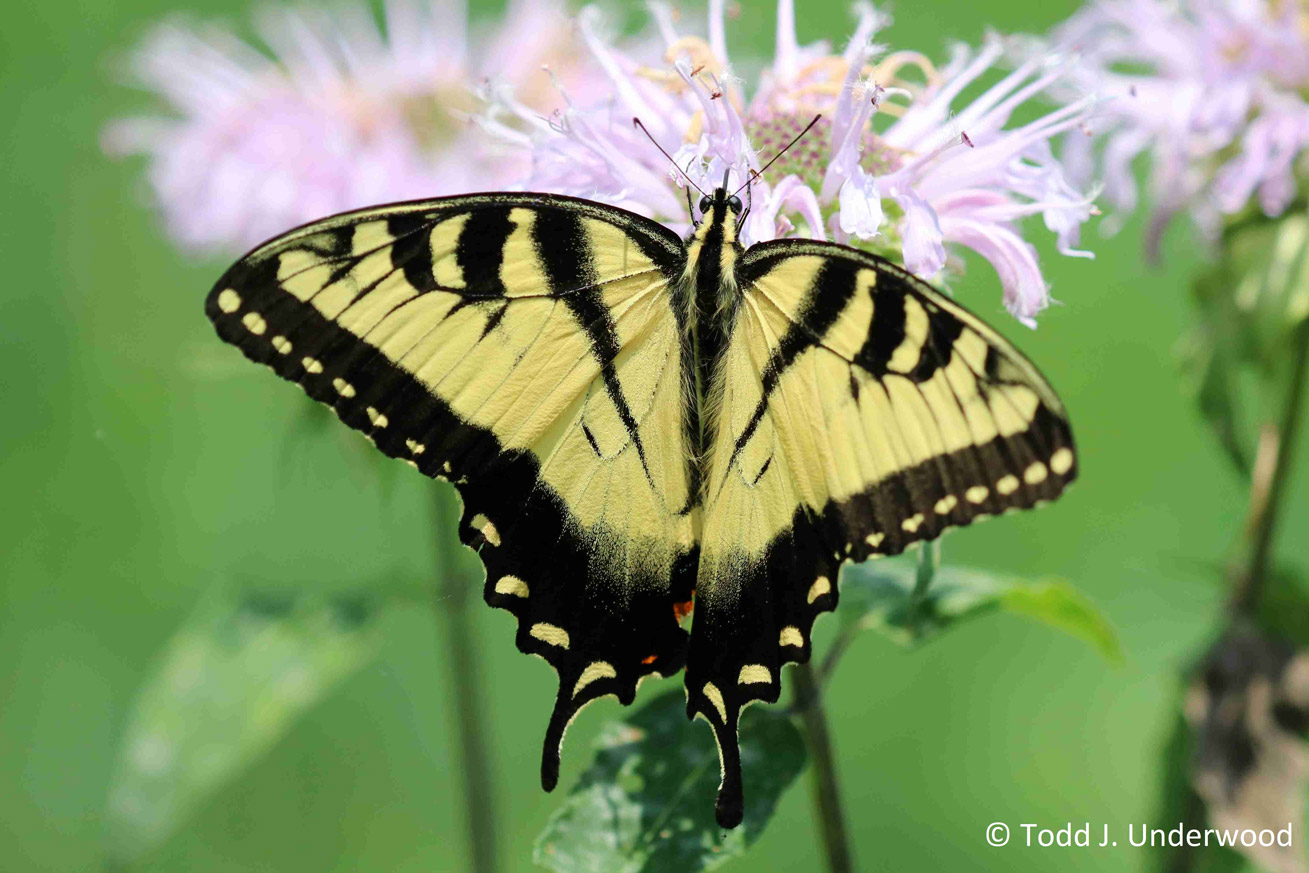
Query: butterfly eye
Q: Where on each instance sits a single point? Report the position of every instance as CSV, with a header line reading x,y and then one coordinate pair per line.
x,y
705,203
734,203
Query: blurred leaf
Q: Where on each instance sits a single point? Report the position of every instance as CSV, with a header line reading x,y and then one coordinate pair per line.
x,y
1249,301
1268,262
316,424
1061,606
647,801
1214,368
230,683
881,594
1179,804
1284,606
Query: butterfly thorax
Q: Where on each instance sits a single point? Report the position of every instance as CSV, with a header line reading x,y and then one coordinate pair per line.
x,y
710,297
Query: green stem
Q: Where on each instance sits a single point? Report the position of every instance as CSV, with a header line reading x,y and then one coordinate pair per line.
x,y
843,639
929,559
825,782
454,581
1268,480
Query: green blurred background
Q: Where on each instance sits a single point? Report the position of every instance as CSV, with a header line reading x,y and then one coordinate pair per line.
x,y
145,462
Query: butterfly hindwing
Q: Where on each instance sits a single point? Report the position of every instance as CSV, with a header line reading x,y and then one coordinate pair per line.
x,y
861,412
522,347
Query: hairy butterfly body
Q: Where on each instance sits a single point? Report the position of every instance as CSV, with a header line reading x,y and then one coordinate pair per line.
x,y
635,421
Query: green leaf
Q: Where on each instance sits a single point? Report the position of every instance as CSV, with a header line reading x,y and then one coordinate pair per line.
x,y
1210,361
1267,262
882,595
1249,302
647,801
1284,607
1061,606
231,682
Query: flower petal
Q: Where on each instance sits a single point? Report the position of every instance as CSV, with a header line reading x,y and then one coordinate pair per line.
x,y
861,205
924,249
1014,259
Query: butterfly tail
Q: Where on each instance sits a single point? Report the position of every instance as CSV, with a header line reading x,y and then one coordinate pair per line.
x,y
729,808
560,717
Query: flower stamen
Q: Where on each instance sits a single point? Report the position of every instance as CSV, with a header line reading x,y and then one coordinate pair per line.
x,y
889,68
695,129
698,51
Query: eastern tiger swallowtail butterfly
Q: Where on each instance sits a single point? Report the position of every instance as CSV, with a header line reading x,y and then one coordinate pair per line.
x,y
637,422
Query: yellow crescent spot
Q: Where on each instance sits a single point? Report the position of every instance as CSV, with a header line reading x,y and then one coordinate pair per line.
x,y
594,671
790,636
282,344
912,523
377,418
550,634
483,524
516,587
344,388
945,504
1008,485
752,674
312,365
716,698
820,587
977,494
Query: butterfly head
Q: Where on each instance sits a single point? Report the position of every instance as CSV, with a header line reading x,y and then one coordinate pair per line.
x,y
721,213
720,206
722,210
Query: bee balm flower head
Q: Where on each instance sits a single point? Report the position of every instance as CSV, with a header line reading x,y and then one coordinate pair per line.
x,y
898,164
340,114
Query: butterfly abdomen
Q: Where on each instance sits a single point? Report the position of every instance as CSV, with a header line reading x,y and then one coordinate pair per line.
x,y
710,288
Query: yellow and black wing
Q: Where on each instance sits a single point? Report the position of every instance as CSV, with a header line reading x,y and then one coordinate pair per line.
x,y
522,347
861,411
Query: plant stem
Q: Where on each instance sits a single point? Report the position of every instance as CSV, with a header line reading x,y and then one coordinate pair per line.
x,y
929,560
1268,480
844,638
825,782
454,581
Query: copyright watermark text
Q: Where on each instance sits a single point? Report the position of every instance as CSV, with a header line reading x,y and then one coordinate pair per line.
x,y
1108,836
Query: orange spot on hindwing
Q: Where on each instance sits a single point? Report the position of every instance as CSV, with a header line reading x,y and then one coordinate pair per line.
x,y
682,610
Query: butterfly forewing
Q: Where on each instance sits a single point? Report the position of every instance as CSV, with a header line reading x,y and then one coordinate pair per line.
x,y
522,347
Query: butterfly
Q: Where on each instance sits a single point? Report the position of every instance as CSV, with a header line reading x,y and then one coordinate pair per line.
x,y
639,424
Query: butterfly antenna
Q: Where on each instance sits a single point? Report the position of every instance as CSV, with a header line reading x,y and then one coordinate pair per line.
x,y
637,123
756,174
